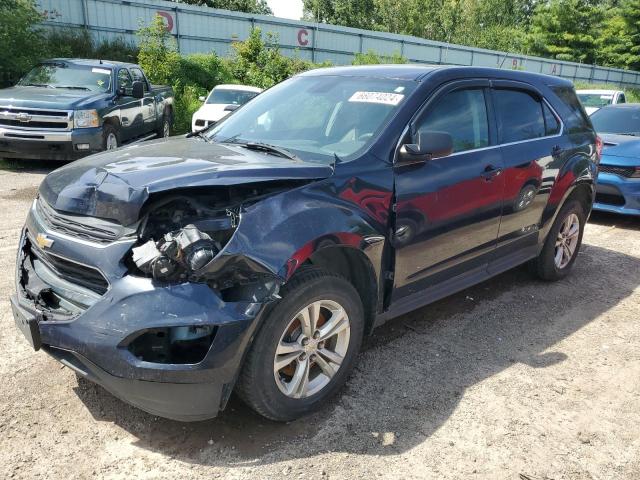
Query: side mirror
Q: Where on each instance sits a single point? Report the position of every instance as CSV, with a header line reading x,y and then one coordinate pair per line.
x,y
231,108
429,145
137,90
121,92
202,99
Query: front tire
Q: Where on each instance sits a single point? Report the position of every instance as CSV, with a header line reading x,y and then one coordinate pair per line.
x,y
306,347
110,137
562,244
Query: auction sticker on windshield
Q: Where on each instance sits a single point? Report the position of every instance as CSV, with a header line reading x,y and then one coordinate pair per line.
x,y
377,97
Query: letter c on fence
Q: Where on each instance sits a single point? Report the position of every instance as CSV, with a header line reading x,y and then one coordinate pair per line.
x,y
168,20
303,37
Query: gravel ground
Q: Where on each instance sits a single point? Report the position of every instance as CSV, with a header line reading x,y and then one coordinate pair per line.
x,y
511,379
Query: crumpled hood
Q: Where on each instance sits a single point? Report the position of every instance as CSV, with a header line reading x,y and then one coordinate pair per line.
x,y
115,185
622,150
42,97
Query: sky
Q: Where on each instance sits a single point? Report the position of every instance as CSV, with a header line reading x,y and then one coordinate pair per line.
x,y
286,8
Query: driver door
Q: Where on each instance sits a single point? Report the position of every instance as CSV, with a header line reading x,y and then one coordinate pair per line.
x,y
448,209
130,113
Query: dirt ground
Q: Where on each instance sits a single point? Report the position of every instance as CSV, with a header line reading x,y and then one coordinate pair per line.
x,y
511,379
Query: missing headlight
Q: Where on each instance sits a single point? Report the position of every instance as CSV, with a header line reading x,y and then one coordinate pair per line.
x,y
176,255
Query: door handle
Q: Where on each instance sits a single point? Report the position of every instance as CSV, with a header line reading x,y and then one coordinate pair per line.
x,y
490,172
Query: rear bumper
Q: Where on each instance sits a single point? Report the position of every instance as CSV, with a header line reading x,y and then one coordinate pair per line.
x,y
617,195
49,144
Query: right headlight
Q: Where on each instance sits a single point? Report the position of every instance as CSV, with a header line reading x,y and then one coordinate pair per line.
x,y
85,119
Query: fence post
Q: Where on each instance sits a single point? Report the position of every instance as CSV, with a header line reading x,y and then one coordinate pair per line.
x,y
85,13
177,28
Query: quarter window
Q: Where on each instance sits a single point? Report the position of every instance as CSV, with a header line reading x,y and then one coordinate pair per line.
x,y
520,116
551,123
463,115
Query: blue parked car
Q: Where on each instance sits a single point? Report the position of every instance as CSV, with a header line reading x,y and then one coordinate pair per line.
x,y
618,187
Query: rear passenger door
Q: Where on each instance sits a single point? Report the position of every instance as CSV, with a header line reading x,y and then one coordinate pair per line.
x,y
448,209
529,136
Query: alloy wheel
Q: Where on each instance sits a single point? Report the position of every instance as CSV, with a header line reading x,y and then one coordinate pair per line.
x,y
567,240
112,141
311,349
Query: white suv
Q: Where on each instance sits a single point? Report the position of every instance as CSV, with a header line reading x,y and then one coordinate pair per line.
x,y
593,100
222,100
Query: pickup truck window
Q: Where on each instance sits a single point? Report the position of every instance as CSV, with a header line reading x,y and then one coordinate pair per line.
x,y
69,76
317,117
124,79
138,76
463,115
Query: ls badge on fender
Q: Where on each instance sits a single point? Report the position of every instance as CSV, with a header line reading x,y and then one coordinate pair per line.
x,y
43,241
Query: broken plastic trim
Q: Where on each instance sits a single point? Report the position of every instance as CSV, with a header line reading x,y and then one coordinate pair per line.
x,y
173,345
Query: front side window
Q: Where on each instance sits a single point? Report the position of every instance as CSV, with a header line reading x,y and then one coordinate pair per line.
x,y
69,76
520,116
139,77
124,79
317,117
463,115
230,97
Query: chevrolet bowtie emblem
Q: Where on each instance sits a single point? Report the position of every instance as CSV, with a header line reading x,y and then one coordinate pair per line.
x,y
23,117
43,241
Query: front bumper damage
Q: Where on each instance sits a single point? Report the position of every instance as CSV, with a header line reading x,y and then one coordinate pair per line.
x,y
96,340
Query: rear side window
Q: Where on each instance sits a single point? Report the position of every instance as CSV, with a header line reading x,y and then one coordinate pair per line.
x,y
463,115
139,77
622,99
520,116
577,121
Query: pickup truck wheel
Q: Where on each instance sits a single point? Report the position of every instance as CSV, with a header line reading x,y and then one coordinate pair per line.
x,y
110,140
306,347
562,244
165,129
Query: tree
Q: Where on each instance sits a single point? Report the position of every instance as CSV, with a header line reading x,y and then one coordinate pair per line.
x,y
565,30
19,37
158,55
247,6
619,40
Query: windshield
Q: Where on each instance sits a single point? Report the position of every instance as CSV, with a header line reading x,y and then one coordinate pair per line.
x,y
63,75
595,100
316,118
617,120
230,97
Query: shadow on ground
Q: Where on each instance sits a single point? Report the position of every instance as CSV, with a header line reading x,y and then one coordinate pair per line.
x,y
412,372
628,222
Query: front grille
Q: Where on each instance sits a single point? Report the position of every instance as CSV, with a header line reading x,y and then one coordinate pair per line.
x,y
610,199
626,172
93,229
28,118
68,270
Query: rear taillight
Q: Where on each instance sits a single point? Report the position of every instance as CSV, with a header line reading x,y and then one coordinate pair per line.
x,y
599,147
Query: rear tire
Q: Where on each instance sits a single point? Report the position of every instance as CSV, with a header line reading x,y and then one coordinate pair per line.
x,y
562,245
284,352
165,128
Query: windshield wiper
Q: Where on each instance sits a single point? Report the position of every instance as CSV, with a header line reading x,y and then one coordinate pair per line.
x,y
73,87
266,147
199,134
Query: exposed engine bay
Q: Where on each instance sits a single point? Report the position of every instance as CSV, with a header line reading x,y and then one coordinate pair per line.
x,y
181,235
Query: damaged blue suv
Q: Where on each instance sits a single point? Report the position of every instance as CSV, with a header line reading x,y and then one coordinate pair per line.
x,y
255,255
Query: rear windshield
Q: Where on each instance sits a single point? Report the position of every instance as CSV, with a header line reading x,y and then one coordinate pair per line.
x,y
69,76
625,121
577,121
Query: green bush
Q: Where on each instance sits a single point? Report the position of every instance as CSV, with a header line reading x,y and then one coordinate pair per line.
x,y
74,43
372,58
